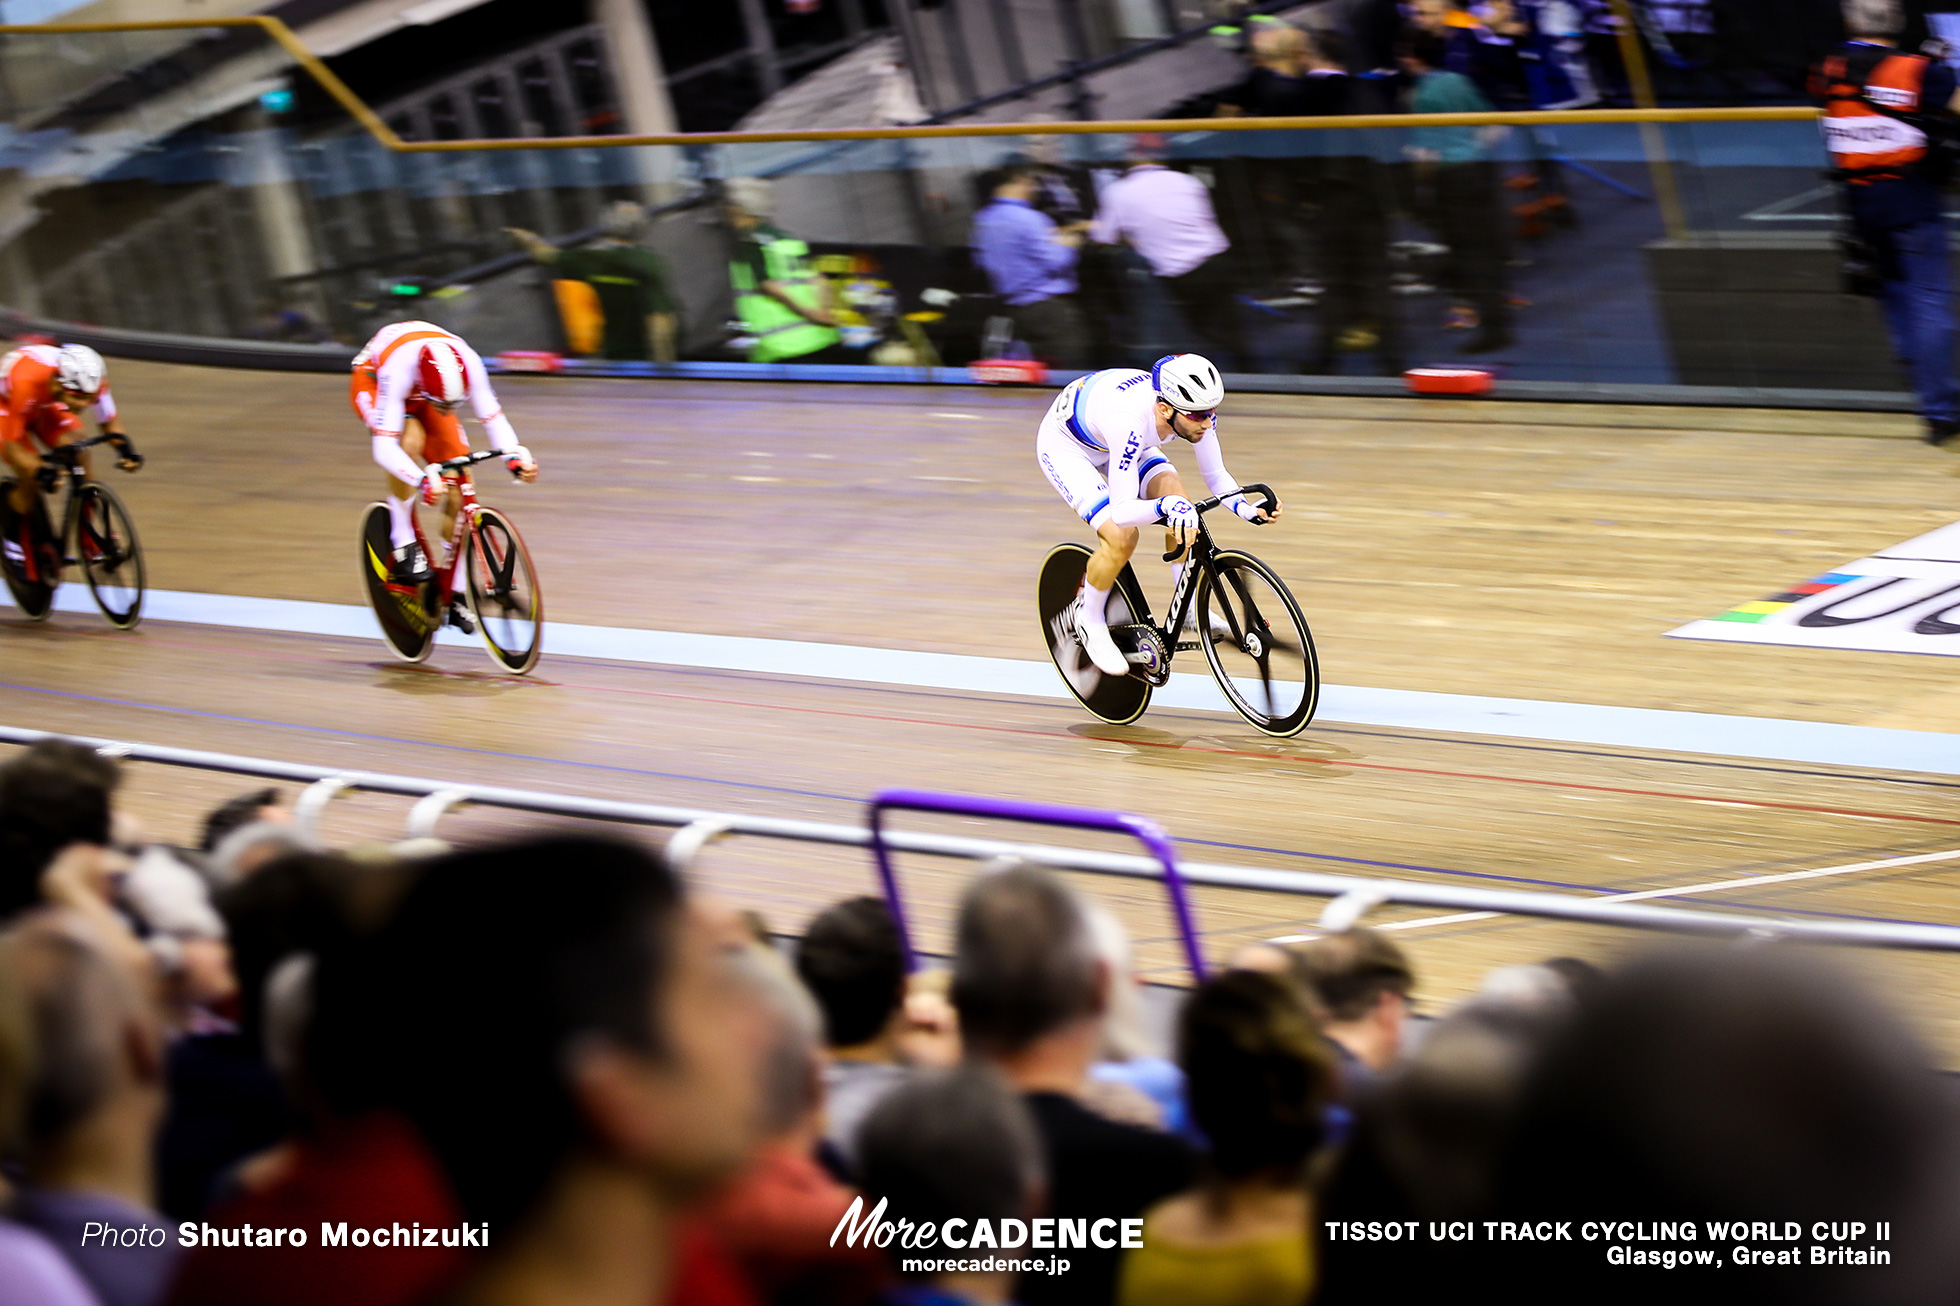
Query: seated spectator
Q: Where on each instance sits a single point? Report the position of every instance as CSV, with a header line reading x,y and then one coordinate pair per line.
x,y
1362,982
54,794
1031,265
239,1094
238,812
1259,1077
567,1068
1032,996
95,1100
775,1218
954,1145
1130,1060
1700,1081
851,959
170,903
1428,1143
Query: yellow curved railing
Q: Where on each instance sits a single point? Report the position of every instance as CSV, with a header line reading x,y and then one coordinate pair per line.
x,y
289,41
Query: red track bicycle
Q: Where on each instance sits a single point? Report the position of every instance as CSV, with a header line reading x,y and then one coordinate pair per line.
x,y
486,566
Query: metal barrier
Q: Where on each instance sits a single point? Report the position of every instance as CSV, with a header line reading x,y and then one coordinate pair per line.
x,y
1352,895
1147,832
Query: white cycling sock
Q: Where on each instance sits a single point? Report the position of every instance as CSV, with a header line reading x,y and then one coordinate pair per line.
x,y
401,521
1095,604
1177,574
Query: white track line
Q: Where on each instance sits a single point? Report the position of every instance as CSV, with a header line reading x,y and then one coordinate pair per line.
x,y
1713,886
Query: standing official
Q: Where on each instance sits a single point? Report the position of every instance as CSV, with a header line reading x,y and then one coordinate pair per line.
x,y
1031,263
1167,217
1883,113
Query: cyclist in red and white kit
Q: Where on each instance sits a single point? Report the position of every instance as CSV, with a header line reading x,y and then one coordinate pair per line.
x,y
44,391
407,383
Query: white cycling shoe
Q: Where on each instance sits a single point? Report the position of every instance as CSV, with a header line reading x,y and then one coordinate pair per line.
x,y
1096,642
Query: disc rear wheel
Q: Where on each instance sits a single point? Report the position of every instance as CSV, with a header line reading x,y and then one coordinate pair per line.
x,y
402,610
1118,700
111,556
34,597
1258,644
504,596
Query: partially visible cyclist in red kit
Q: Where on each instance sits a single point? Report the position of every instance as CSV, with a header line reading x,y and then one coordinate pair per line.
x,y
407,383
44,389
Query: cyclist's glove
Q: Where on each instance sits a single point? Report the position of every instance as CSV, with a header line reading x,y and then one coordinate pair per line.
x,y
126,456
516,458
432,483
1245,508
1177,512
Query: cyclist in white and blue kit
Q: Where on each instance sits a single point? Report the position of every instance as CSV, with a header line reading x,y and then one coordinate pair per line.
x,y
1100,445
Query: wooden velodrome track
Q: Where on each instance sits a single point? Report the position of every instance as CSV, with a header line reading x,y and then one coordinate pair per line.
x,y
1528,551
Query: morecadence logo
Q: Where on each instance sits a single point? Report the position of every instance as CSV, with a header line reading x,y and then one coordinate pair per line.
x,y
860,1228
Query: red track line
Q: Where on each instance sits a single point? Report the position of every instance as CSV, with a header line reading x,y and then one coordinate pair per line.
x,y
1223,752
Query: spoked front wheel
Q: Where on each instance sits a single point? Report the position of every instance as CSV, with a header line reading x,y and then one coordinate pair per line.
x,y
1258,644
503,588
111,557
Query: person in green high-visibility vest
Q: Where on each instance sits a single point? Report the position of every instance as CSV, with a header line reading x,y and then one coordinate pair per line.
x,y
784,304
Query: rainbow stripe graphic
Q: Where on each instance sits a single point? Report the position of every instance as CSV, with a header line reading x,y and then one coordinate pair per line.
x,y
1775,603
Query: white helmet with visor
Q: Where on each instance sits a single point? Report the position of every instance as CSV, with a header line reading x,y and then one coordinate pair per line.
x,y
79,370
1188,382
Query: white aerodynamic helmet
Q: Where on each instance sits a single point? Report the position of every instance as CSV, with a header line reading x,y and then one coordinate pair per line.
x,y
79,370
1188,382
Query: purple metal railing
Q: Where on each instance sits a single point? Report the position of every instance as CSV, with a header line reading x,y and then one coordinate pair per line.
x,y
1145,831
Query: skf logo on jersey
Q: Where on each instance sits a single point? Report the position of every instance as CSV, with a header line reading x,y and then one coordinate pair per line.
x,y
1130,451
1893,97
1905,599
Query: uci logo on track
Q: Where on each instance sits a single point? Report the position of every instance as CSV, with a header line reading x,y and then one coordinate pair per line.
x,y
1905,599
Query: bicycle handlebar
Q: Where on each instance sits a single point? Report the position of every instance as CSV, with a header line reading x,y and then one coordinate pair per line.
x,y
481,456
1206,505
66,454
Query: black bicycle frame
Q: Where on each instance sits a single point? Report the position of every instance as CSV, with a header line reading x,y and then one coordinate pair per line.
x,y
68,459
1200,551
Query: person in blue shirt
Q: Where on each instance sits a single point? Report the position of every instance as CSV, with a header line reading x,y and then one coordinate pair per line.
x,y
1031,265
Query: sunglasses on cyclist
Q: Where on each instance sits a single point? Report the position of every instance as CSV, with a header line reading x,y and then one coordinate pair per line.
x,y
1202,416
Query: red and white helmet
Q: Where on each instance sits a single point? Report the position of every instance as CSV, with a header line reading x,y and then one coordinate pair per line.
x,y
440,376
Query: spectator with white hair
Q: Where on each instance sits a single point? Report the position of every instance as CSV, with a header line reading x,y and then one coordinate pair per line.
x,y
776,1217
785,304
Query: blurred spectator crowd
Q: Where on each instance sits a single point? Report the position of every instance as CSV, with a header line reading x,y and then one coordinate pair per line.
x,y
546,1070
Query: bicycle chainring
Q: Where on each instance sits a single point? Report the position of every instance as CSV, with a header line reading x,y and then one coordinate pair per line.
x,y
1148,651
